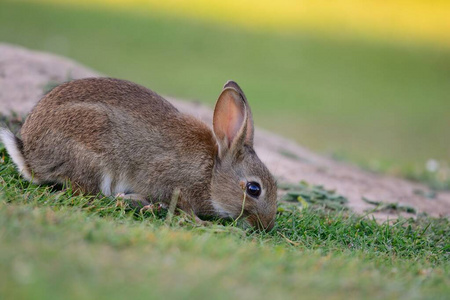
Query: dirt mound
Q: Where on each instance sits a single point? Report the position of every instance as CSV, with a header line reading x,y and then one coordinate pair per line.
x,y
25,75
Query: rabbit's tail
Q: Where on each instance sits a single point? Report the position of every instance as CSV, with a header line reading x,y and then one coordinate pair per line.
x,y
14,147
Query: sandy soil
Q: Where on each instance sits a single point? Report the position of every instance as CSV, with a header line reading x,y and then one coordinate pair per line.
x,y
25,74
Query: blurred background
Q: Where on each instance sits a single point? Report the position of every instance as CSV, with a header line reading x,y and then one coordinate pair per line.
x,y
362,81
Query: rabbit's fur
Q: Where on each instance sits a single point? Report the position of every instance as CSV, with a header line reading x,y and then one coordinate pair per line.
x,y
114,137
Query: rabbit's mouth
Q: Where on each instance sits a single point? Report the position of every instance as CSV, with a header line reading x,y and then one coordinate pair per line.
x,y
245,219
256,222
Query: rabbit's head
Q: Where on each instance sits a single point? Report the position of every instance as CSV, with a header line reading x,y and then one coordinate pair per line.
x,y
242,186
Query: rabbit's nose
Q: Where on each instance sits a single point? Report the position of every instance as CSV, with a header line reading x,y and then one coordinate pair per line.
x,y
264,224
268,226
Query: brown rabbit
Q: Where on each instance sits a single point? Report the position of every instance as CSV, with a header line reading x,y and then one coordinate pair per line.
x,y
114,137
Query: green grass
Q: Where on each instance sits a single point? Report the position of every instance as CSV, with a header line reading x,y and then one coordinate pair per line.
x,y
57,245
372,102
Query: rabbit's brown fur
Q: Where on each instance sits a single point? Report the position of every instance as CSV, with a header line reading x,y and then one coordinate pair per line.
x,y
112,136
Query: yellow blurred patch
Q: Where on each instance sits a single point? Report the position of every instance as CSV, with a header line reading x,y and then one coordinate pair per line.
x,y
406,20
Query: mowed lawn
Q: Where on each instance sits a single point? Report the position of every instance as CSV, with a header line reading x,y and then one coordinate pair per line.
x,y
57,245
364,99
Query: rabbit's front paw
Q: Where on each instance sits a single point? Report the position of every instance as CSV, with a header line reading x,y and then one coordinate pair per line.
x,y
135,200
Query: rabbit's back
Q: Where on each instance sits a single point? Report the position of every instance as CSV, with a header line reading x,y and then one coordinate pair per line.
x,y
118,93
108,135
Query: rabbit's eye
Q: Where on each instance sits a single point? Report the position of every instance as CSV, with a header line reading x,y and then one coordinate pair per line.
x,y
253,189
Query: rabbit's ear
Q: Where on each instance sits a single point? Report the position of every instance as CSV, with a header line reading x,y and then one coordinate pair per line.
x,y
250,128
230,121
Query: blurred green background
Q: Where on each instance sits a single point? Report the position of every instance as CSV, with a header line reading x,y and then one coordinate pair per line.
x,y
371,97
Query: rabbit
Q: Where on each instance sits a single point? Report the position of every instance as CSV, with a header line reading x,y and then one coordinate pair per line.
x,y
115,137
